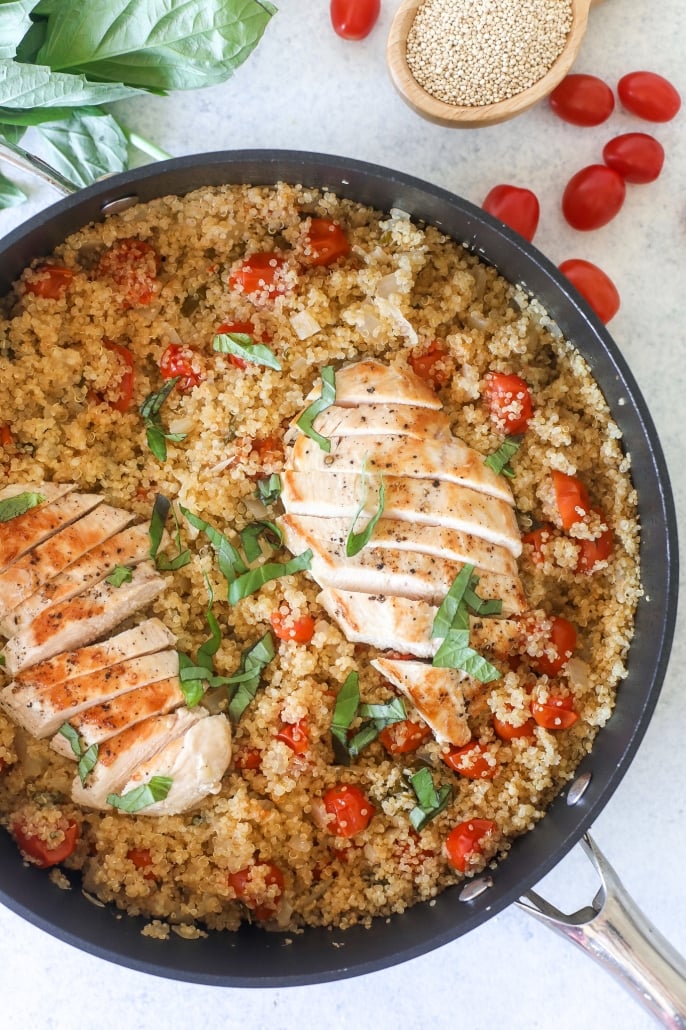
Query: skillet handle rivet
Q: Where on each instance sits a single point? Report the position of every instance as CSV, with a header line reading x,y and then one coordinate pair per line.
x,y
475,888
114,207
578,788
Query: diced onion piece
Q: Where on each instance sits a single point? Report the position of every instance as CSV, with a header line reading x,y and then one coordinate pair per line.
x,y
180,425
304,324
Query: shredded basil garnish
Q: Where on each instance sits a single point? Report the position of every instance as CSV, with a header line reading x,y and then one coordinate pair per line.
x,y
325,400
120,574
252,580
229,558
356,541
3,660
155,432
499,461
243,346
451,623
452,605
429,800
253,661
348,708
158,520
345,710
250,537
141,797
268,489
87,758
12,507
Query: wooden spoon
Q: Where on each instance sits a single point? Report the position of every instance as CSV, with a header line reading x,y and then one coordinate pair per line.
x,y
456,115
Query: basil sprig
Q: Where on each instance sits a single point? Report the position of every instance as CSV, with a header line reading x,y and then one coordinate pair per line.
x,y
347,708
356,541
155,433
242,345
429,800
451,624
87,758
499,461
158,520
120,574
12,507
325,400
142,797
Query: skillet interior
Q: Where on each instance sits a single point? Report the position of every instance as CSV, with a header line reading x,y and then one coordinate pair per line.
x,y
252,957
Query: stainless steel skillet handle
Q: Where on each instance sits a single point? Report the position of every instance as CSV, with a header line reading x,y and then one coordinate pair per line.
x,y
26,162
614,932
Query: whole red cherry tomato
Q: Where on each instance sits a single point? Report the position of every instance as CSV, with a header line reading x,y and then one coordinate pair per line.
x,y
637,156
516,206
649,96
593,197
594,286
354,19
582,100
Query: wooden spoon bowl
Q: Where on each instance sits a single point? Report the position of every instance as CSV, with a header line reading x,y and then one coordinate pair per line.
x,y
455,115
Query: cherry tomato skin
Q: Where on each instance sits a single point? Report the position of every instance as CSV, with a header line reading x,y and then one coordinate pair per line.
x,y
354,19
259,274
248,758
510,402
593,551
295,735
53,282
350,807
122,401
637,156
582,100
593,197
401,738
132,265
40,851
506,730
326,242
177,360
248,891
555,713
571,497
470,761
299,631
563,638
6,438
431,366
516,206
466,840
536,539
594,285
649,96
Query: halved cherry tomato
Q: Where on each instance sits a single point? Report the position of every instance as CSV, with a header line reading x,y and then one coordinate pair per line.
x,y
354,19
582,100
132,265
122,394
269,450
39,850
571,497
507,731
594,286
516,206
510,402
251,886
350,807
471,761
431,365
536,539
248,758
555,713
295,735
53,282
299,630
260,274
246,329
400,738
5,435
593,551
649,96
142,859
326,242
177,360
593,197
637,156
562,637
465,842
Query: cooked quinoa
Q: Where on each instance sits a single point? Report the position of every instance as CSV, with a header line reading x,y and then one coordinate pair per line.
x,y
401,292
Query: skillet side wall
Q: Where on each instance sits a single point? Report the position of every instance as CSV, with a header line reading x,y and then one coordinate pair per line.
x,y
255,959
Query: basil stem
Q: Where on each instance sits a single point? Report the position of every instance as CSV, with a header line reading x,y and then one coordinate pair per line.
x,y
499,461
429,800
142,797
150,412
120,574
356,541
325,400
12,507
242,345
251,534
252,580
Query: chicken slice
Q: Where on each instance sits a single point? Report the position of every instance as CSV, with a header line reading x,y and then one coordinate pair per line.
x,y
401,573
82,619
26,531
405,536
428,458
435,693
43,710
195,763
128,548
382,420
369,380
415,500
45,561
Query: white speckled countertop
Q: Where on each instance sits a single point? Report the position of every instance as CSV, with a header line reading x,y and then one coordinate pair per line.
x,y
304,88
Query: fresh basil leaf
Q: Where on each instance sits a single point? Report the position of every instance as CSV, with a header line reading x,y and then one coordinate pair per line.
x,y
269,489
229,559
383,715
120,574
452,602
325,400
11,133
32,40
429,800
141,797
155,433
10,194
14,24
165,45
366,734
12,507
192,689
252,580
158,520
87,762
481,606
88,145
454,654
242,346
344,712
356,541
499,461
69,733
253,661
250,537
25,86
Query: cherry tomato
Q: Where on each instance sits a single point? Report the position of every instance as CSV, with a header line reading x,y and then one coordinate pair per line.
x,y
593,551
594,286
354,19
132,266
507,731
536,539
253,884
39,850
177,360
269,449
470,761
51,281
400,738
431,365
295,735
350,807
582,100
593,197
6,439
300,630
326,242
142,859
260,273
571,497
555,713
562,637
510,402
649,96
121,395
248,758
465,842
516,206
637,156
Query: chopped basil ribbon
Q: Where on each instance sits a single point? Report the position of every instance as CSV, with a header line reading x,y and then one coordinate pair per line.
x,y
120,574
452,605
12,507
346,710
253,661
158,520
429,800
141,797
252,580
229,558
451,624
242,345
499,461
251,534
3,660
150,413
356,541
87,758
269,488
325,400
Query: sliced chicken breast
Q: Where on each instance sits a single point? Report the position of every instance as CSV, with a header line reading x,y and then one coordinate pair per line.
x,y
382,420
435,693
367,381
100,722
45,561
82,619
26,531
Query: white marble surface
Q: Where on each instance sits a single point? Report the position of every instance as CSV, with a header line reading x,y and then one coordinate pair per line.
x,y
306,89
